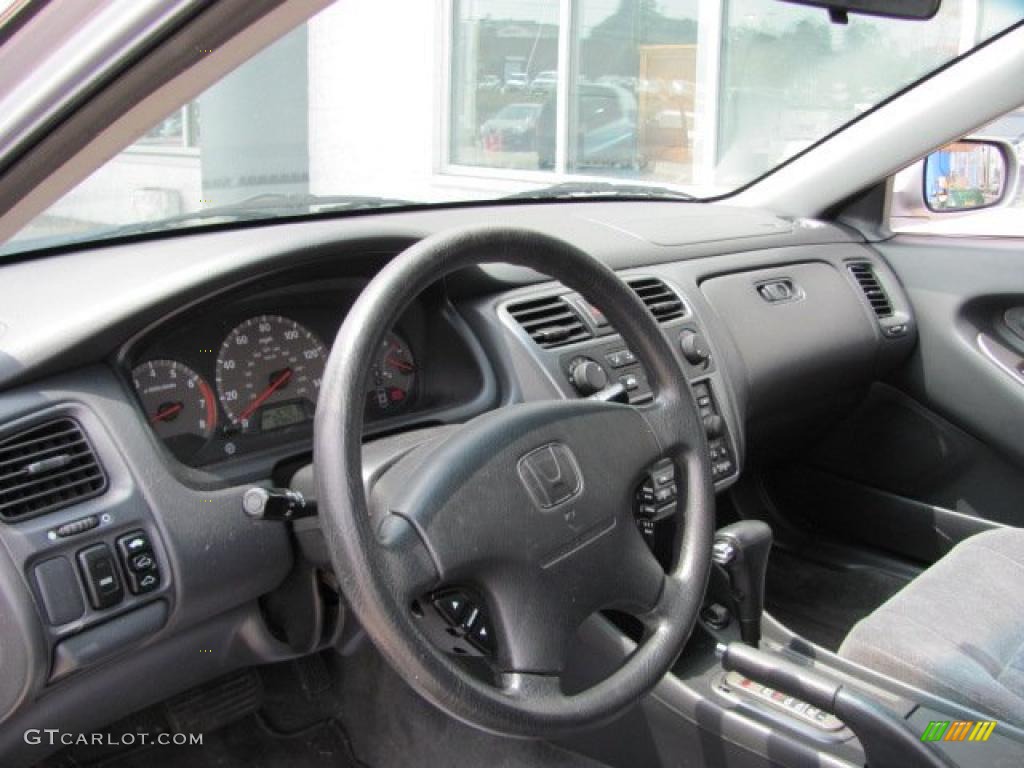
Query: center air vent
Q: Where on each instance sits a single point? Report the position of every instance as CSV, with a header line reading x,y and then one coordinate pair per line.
x,y
45,468
550,321
659,298
866,278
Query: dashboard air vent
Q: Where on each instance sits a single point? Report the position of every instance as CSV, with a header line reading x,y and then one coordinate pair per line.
x,y
866,278
659,298
549,321
47,467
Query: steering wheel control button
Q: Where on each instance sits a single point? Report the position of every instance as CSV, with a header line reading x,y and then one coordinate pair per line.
x,y
466,618
452,607
655,499
100,576
481,635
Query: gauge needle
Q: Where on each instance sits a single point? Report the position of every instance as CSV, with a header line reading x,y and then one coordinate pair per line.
x,y
399,365
165,413
275,385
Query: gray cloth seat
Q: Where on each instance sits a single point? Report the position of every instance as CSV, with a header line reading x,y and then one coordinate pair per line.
x,y
957,630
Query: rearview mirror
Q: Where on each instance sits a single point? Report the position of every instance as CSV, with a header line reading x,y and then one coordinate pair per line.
x,y
965,175
918,10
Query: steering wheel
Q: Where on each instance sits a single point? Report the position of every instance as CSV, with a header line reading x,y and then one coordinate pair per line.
x,y
530,505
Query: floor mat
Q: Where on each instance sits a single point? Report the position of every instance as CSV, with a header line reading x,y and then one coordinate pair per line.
x,y
248,743
393,727
323,710
823,602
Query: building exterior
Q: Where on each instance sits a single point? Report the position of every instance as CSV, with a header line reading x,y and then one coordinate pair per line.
x,y
488,97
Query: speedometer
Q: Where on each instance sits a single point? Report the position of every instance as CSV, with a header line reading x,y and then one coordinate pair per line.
x,y
268,373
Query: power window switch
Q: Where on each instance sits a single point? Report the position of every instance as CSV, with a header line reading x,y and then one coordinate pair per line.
x,y
100,576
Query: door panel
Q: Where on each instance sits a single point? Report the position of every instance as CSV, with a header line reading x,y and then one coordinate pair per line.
x,y
961,289
935,454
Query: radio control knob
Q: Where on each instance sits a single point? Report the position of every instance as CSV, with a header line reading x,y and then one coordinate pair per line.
x,y
587,376
695,347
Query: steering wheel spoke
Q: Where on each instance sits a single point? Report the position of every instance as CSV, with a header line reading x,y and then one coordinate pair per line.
x,y
405,559
670,425
639,578
659,618
531,686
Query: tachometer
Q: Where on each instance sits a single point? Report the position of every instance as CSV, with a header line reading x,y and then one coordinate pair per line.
x,y
178,402
392,377
268,373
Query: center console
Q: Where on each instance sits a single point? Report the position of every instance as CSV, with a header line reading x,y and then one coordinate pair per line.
x,y
581,355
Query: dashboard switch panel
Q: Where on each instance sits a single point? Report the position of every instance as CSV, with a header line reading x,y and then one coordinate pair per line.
x,y
140,565
99,574
723,463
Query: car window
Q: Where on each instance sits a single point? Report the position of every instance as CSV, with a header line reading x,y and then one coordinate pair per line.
x,y
472,100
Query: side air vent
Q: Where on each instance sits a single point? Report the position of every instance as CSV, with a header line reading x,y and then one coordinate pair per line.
x,y
47,467
659,298
549,321
866,278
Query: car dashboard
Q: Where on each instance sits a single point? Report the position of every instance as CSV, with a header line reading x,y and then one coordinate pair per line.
x,y
177,396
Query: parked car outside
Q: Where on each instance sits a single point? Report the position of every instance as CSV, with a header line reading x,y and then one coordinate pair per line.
x,y
514,127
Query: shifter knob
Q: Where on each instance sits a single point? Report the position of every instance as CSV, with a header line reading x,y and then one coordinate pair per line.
x,y
742,549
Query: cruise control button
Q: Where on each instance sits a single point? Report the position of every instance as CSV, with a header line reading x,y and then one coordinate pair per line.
x,y
482,636
665,494
473,614
452,607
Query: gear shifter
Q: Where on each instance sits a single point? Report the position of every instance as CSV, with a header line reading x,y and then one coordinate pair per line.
x,y
741,549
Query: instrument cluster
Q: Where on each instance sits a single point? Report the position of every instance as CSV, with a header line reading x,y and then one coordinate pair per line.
x,y
238,379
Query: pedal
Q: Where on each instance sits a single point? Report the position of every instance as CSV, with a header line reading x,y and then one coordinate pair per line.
x,y
314,675
210,707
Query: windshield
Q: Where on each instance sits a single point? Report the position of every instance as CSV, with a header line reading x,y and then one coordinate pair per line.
x,y
466,100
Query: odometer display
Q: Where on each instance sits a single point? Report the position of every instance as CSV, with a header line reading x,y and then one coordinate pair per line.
x,y
265,362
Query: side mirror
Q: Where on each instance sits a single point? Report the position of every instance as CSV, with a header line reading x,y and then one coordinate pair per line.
x,y
966,175
961,177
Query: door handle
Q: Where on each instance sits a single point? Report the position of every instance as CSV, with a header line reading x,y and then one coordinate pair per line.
x,y
1002,356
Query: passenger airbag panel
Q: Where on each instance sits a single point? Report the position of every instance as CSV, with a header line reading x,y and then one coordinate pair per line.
x,y
817,342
